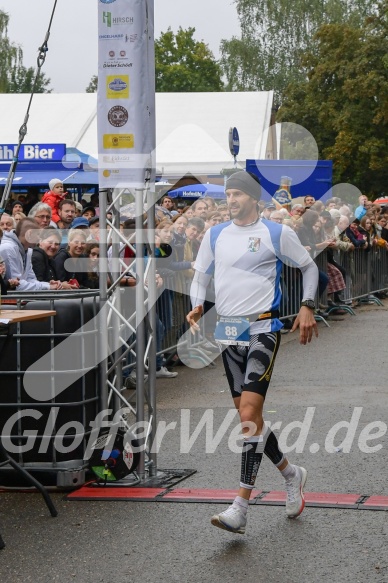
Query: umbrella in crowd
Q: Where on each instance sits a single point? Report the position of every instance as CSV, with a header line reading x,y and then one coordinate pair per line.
x,y
198,191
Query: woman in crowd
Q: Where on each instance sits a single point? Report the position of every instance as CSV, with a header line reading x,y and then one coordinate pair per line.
x,y
92,252
76,273
19,216
311,233
163,232
310,237
43,257
172,240
374,230
176,261
163,246
366,229
381,228
213,218
359,240
188,212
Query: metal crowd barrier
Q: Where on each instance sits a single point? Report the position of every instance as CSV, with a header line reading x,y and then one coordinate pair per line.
x,y
366,273
172,307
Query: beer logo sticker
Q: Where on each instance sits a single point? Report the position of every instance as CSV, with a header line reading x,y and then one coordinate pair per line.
x,y
118,116
117,86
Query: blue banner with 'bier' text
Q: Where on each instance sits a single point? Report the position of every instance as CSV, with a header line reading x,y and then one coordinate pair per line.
x,y
33,152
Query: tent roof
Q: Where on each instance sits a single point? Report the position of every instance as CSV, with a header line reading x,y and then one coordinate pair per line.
x,y
191,128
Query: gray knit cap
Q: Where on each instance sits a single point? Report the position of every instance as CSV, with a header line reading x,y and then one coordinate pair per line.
x,y
246,182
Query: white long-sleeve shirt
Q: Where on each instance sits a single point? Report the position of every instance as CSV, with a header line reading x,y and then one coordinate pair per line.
x,y
18,264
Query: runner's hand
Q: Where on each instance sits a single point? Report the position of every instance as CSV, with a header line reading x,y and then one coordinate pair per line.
x,y
193,317
306,323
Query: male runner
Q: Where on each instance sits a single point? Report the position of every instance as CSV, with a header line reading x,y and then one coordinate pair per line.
x,y
246,256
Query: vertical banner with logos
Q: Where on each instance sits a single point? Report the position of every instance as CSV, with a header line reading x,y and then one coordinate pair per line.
x,y
126,93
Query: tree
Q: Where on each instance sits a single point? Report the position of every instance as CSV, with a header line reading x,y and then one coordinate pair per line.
x,y
14,77
343,101
93,85
21,80
184,64
273,36
10,54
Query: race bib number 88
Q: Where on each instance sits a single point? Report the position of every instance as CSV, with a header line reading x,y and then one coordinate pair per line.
x,y
232,331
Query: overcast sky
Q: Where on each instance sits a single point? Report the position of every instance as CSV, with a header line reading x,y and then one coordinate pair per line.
x,y
72,56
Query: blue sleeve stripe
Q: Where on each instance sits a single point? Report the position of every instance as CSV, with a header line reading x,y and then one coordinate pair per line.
x,y
210,269
275,231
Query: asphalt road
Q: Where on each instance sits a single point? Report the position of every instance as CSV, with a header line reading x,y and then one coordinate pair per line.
x,y
340,375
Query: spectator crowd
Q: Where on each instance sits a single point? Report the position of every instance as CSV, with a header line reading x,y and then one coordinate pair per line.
x,y
53,244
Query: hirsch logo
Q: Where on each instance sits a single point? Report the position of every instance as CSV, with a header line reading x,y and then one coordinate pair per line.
x,y
115,20
107,18
117,86
118,116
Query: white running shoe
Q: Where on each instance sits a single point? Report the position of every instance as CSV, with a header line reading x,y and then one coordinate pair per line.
x,y
164,373
130,381
232,519
294,491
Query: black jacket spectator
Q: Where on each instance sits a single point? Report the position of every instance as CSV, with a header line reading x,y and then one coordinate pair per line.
x,y
43,265
65,275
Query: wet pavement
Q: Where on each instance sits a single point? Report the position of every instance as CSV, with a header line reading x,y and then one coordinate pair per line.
x,y
339,377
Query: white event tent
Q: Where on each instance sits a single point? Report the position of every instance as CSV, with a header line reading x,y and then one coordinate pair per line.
x,y
191,128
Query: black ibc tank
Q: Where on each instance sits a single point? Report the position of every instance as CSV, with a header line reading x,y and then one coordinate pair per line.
x,y
52,458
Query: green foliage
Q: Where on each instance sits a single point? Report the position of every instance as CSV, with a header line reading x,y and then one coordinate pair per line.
x,y
21,80
10,54
343,101
93,85
14,77
274,34
184,64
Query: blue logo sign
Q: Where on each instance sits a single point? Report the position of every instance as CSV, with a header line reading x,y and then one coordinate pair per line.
x,y
33,152
118,85
234,141
107,1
